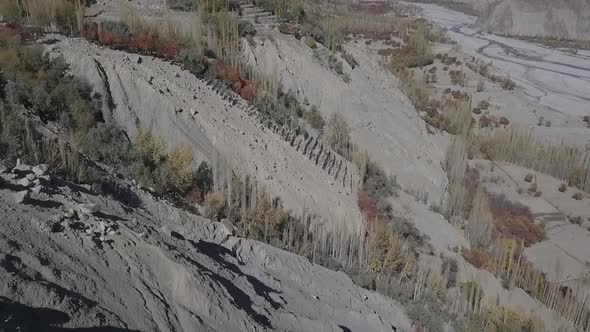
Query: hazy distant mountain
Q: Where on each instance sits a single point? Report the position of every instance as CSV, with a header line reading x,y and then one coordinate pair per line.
x,y
558,18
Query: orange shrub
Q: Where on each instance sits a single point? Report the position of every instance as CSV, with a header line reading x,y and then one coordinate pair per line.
x,y
478,258
519,228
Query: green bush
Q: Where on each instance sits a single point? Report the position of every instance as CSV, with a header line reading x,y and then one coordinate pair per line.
x,y
11,135
507,83
315,119
116,27
267,5
416,52
338,132
284,28
297,14
184,5
284,109
350,59
207,6
494,318
108,144
11,12
203,178
335,64
3,84
61,14
192,62
310,42
377,184
312,27
418,42
430,314
246,28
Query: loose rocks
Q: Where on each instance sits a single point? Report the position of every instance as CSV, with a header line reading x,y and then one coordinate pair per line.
x,y
21,196
88,208
40,170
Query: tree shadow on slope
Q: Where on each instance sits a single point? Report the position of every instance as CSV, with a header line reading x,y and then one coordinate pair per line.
x,y
239,298
15,316
14,265
216,252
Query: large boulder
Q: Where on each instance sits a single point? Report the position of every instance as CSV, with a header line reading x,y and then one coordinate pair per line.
x,y
227,227
21,196
21,168
88,208
24,182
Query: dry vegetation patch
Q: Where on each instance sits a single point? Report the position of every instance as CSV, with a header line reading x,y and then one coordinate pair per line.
x,y
522,148
478,258
514,220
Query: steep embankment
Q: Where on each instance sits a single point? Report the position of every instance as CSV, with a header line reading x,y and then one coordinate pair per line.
x,y
144,92
72,259
382,119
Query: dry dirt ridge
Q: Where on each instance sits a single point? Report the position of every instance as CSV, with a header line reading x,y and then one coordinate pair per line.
x,y
71,260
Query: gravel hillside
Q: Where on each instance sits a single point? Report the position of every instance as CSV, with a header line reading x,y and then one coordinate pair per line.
x,y
149,93
70,259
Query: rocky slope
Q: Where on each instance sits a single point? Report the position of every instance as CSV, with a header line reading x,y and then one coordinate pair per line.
x,y
70,259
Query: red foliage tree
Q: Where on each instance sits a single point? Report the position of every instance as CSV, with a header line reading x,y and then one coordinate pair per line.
x,y
366,205
242,87
248,90
143,43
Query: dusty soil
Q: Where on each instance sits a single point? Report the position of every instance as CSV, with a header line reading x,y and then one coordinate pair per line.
x,y
72,259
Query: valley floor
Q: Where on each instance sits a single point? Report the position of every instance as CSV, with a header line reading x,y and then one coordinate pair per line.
x,y
553,83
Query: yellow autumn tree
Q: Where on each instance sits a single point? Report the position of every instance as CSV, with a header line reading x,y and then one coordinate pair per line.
x,y
378,245
178,166
265,221
215,204
151,149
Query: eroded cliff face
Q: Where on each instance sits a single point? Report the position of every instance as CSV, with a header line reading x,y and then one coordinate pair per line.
x,y
568,19
173,104
382,119
71,259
